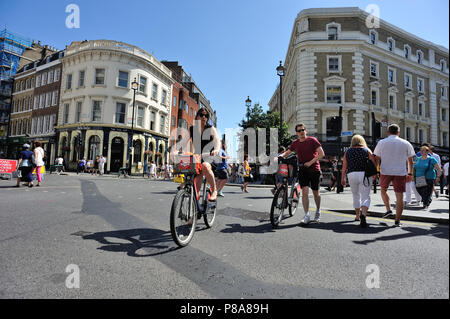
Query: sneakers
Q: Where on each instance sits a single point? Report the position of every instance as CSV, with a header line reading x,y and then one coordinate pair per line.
x,y
219,193
388,213
397,224
317,216
305,220
363,222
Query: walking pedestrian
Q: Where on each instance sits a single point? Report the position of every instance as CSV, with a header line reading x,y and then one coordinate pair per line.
x,y
393,152
221,171
25,165
151,172
309,152
247,175
411,188
354,164
39,155
96,165
427,168
81,165
334,176
101,165
263,172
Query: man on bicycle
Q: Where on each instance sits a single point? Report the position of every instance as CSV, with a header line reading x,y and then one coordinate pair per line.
x,y
206,143
309,153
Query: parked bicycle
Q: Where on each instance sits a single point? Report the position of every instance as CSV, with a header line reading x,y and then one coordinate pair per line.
x,y
287,169
188,205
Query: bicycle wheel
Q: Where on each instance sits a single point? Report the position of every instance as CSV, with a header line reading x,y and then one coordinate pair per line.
x,y
278,206
296,191
182,218
209,215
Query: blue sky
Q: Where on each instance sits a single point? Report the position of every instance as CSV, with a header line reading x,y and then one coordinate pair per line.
x,y
230,47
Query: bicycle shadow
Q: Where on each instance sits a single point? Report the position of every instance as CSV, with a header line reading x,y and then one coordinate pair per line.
x,y
149,242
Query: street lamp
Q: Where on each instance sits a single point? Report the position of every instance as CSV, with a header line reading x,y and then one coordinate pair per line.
x,y
280,73
134,86
248,103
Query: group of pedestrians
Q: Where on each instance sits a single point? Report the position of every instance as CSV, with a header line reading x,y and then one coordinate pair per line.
x,y
94,167
30,160
398,164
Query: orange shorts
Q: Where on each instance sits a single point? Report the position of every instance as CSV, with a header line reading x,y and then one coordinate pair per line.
x,y
399,182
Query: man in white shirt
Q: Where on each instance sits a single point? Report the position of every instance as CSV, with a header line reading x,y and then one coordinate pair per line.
x,y
393,152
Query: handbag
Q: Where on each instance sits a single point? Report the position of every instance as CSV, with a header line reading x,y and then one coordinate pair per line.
x,y
369,170
421,181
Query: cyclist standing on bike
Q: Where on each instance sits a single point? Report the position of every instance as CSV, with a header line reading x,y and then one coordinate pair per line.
x,y
309,153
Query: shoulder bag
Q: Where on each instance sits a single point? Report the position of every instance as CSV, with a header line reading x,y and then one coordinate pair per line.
x,y
421,181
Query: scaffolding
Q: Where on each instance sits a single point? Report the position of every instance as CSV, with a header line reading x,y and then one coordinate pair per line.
x,y
12,47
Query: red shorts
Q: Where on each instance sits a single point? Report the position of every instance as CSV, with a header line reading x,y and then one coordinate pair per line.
x,y
399,182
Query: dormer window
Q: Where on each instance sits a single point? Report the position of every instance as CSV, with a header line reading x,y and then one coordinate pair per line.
x,y
406,51
442,63
390,44
332,33
373,37
419,57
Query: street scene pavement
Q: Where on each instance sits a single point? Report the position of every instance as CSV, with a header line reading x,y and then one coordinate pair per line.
x,y
116,233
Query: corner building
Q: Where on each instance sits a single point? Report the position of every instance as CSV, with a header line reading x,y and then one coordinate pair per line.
x,y
335,58
96,107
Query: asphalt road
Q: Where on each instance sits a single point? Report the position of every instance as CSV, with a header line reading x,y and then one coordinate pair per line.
x,y
117,233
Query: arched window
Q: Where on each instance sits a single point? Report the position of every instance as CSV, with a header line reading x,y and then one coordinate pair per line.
x,y
137,151
94,147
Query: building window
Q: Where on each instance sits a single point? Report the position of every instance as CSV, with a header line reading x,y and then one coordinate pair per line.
x,y
55,98
57,74
374,69
445,139
408,106
406,51
392,102
420,109
408,134
442,63
142,84
391,75
66,114
420,87
140,116
38,81
27,83
332,33
152,120
444,92
120,113
175,101
174,121
419,57
154,91
50,76
444,115
420,136
78,112
373,37
41,100
36,102
48,99
81,78
163,97
123,79
390,45
94,147
334,94
69,82
99,76
373,97
137,151
334,64
96,111
162,123
44,78
407,81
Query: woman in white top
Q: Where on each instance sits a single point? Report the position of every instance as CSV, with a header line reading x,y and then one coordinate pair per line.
x,y
39,159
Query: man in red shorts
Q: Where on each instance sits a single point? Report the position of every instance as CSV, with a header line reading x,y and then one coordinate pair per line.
x,y
395,154
309,151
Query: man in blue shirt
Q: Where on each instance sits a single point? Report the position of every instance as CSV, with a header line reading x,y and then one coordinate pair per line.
x,y
221,171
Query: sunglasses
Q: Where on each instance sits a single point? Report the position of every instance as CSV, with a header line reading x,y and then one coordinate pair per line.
x,y
203,115
301,130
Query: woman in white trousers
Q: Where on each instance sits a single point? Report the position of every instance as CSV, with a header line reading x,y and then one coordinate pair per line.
x,y
354,164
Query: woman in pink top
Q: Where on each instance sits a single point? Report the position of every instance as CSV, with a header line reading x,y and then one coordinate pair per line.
x,y
39,159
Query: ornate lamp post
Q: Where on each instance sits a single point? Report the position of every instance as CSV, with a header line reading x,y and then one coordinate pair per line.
x,y
248,104
280,73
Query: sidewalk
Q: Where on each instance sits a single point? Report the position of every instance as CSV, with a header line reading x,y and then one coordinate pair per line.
x,y
343,202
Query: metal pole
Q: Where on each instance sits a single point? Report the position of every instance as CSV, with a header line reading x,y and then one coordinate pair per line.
x,y
281,109
130,160
373,148
339,187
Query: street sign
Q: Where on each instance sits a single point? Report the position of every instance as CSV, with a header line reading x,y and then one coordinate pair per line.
x,y
7,166
347,133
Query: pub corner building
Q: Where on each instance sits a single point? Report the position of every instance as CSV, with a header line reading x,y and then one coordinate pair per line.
x,y
98,104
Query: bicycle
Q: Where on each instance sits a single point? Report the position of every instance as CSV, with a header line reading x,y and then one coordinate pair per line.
x,y
287,168
188,205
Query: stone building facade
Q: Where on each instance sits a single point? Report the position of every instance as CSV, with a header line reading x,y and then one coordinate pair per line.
x,y
96,105
337,59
